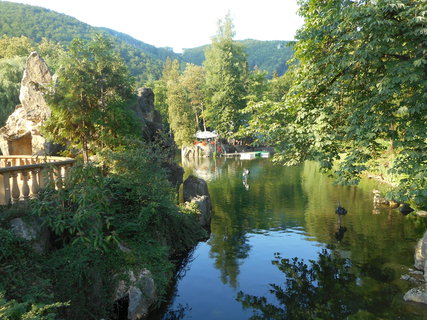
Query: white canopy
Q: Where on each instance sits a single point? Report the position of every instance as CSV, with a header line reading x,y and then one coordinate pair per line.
x,y
205,135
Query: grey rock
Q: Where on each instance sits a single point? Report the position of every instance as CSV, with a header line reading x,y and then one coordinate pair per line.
x,y
421,253
149,117
21,134
34,82
194,187
204,205
416,295
141,292
196,190
415,280
31,229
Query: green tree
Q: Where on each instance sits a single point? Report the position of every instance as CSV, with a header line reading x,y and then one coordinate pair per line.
x,y
11,70
359,91
15,46
182,98
226,70
51,52
193,80
88,102
180,115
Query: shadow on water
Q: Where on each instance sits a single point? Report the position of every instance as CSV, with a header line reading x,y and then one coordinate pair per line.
x,y
292,211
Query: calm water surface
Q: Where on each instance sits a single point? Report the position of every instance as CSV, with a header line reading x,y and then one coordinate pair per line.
x,y
290,211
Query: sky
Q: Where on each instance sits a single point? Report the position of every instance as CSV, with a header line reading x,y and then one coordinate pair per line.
x,y
183,23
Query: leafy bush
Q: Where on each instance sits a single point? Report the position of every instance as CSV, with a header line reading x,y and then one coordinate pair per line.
x,y
107,220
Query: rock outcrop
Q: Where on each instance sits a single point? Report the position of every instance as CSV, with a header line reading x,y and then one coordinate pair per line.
x,y
145,112
32,230
21,134
140,291
153,130
419,294
196,191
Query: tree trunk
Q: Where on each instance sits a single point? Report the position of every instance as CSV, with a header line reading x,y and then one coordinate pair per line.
x,y
85,152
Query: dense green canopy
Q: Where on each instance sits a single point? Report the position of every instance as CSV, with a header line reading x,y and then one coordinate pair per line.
x,y
360,89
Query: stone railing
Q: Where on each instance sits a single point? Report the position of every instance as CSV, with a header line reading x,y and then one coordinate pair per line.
x,y
21,177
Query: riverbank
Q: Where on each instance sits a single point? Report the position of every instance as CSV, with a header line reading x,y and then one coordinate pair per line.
x,y
107,236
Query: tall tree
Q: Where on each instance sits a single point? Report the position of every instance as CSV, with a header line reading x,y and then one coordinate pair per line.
x,y
181,113
226,70
11,70
87,103
359,88
193,80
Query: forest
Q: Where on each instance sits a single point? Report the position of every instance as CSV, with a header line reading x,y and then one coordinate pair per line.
x,y
353,98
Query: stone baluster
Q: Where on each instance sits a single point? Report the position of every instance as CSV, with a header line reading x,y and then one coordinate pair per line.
x,y
35,185
58,177
15,187
25,186
67,168
6,181
43,177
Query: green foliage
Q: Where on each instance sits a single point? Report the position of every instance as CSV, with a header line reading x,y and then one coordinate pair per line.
x,y
270,56
88,102
11,70
147,200
360,81
85,277
128,203
183,94
81,211
25,291
13,310
11,47
226,72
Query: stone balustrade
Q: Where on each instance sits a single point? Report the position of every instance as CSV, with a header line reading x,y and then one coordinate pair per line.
x,y
21,177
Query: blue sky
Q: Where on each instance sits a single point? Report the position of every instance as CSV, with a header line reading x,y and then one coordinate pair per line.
x,y
184,23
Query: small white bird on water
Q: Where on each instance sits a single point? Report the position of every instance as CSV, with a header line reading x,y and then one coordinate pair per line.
x,y
246,172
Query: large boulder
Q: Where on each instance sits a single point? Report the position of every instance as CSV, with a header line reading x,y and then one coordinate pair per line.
x,y
196,190
140,291
421,253
419,294
150,118
21,134
32,230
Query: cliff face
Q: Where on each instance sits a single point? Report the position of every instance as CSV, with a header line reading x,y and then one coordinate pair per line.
x,y
21,134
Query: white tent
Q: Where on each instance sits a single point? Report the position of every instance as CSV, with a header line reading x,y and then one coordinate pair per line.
x,y
205,135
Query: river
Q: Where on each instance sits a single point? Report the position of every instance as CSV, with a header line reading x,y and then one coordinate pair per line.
x,y
290,211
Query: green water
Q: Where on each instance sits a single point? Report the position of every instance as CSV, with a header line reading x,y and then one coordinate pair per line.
x,y
290,211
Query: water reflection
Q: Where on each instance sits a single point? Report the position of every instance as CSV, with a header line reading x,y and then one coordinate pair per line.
x,y
287,210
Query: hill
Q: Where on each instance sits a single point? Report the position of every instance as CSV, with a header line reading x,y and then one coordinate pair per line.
x,y
145,61
266,55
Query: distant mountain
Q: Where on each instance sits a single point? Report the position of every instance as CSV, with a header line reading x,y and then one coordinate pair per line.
x,y
145,61
271,56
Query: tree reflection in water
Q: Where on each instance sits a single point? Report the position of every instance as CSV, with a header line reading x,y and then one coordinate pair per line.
x,y
326,289
323,290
